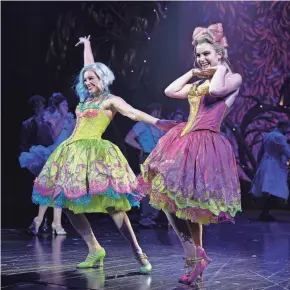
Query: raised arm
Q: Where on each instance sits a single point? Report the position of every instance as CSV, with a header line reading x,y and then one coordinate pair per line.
x,y
179,89
221,85
88,54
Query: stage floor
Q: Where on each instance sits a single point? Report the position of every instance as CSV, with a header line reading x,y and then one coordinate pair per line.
x,y
247,255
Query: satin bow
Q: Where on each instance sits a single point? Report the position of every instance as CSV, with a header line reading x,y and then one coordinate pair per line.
x,y
215,31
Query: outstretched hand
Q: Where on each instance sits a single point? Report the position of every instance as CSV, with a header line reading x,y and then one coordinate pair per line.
x,y
83,40
165,125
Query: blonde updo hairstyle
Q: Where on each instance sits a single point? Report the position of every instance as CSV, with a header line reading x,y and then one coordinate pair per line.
x,y
207,35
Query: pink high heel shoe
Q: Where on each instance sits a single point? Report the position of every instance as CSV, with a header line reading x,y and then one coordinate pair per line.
x,y
195,266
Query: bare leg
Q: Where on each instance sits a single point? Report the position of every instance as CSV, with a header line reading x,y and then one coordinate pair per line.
x,y
57,215
56,225
123,223
196,233
41,212
181,228
83,227
190,235
37,221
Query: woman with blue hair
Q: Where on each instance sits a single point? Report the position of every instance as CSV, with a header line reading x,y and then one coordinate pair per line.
x,y
87,174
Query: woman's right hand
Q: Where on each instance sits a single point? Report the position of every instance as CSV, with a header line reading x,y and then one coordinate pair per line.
x,y
166,125
206,73
85,39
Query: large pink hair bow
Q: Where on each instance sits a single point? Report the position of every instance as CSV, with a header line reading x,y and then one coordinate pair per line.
x,y
215,31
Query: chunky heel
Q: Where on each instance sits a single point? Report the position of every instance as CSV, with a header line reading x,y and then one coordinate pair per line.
x,y
92,259
145,267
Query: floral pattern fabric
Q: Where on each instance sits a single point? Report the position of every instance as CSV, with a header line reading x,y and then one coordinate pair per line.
x,y
192,171
86,173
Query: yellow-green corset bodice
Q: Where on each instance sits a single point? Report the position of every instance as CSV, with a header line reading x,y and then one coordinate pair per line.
x,y
91,123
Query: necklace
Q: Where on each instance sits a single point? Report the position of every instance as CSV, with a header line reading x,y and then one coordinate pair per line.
x,y
89,104
100,94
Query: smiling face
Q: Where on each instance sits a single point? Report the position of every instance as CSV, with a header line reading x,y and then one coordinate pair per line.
x,y
92,82
206,56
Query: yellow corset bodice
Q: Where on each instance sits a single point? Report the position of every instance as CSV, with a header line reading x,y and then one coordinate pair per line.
x,y
91,123
194,98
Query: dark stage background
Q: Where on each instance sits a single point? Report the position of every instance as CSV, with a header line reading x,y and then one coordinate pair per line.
x,y
39,57
26,32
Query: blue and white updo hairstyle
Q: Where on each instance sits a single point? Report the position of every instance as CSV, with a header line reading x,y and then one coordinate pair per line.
x,y
102,71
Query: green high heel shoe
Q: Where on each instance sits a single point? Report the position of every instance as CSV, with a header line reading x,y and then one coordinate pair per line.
x,y
92,258
144,269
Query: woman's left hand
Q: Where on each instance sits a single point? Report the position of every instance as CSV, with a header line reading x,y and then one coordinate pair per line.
x,y
165,125
211,70
83,40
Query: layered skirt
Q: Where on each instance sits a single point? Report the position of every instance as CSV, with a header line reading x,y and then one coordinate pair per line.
x,y
87,176
193,176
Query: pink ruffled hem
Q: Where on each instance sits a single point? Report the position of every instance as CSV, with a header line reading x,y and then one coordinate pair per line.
x,y
78,192
194,214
